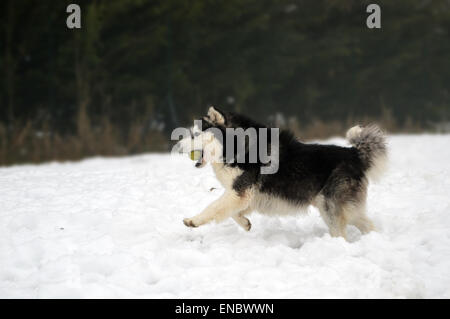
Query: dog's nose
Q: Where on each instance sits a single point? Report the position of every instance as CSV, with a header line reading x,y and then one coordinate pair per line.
x,y
201,162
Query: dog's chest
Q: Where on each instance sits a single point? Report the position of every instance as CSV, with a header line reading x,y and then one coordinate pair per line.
x,y
226,175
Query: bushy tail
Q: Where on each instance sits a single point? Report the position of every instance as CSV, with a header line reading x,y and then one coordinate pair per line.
x,y
370,141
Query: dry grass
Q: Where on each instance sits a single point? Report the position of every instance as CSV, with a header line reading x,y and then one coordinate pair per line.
x,y
25,143
318,129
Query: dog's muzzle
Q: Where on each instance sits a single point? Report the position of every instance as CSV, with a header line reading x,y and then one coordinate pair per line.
x,y
201,161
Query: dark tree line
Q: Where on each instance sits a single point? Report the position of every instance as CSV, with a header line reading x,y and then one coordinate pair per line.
x,y
161,62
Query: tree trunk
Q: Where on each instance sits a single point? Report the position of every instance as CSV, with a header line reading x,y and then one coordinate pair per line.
x,y
9,61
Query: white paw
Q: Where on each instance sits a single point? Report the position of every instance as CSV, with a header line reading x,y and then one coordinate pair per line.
x,y
189,222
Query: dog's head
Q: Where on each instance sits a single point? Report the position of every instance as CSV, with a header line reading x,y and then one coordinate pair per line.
x,y
230,138
206,138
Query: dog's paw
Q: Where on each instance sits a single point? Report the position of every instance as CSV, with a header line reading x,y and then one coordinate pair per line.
x,y
247,225
189,222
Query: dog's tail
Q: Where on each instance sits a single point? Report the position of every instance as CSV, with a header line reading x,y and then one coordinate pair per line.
x,y
370,141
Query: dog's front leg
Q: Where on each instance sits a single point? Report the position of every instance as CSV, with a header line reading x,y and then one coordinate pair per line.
x,y
228,204
243,221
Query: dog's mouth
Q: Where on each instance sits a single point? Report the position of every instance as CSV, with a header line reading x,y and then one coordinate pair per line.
x,y
197,156
200,163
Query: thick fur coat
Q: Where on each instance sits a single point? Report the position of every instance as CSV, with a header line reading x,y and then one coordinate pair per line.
x,y
330,177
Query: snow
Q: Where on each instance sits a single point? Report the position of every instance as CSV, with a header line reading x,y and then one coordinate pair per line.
x,y
113,228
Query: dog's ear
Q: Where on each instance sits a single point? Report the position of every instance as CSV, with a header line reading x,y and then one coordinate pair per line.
x,y
215,116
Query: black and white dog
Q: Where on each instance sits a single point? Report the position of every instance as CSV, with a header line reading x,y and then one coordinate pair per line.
x,y
332,178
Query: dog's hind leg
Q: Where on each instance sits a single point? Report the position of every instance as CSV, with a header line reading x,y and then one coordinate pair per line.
x,y
363,223
356,215
333,216
243,221
355,211
227,205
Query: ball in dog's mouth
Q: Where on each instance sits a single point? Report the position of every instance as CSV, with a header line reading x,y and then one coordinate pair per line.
x,y
197,156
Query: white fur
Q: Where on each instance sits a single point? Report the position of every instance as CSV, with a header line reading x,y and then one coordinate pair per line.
x,y
270,205
353,132
379,161
378,168
215,116
228,205
226,175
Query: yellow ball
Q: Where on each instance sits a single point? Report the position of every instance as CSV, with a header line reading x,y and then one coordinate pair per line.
x,y
195,155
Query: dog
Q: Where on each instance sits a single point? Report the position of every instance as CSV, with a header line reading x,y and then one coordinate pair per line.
x,y
332,178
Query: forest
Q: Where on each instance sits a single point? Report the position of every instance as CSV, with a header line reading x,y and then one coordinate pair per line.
x,y
137,69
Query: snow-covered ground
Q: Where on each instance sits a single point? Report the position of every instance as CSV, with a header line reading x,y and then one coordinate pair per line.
x,y
113,228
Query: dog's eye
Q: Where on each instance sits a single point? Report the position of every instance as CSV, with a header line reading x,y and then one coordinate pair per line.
x,y
196,134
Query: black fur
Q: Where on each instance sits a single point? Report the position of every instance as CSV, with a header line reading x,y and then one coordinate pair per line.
x,y
304,170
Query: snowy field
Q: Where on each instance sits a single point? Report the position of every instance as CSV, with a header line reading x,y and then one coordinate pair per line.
x,y
113,228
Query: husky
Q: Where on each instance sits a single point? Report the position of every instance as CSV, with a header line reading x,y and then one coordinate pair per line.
x,y
333,179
